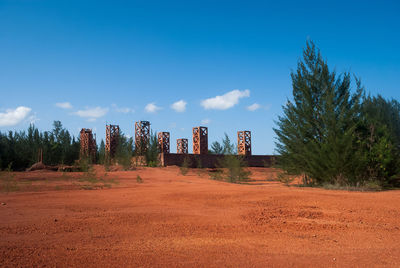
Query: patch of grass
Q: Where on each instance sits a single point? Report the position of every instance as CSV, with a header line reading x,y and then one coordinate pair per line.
x,y
113,181
64,176
152,164
235,169
199,167
8,181
83,164
285,178
216,174
88,187
371,186
91,177
125,161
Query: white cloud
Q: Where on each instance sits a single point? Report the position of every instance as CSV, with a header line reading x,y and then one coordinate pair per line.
x,y
179,106
124,110
205,121
152,108
92,113
64,105
14,116
253,107
226,101
33,119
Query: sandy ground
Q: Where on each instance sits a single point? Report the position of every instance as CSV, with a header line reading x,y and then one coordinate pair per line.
x,y
170,220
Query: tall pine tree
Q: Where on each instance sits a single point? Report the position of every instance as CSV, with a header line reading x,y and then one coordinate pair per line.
x,y
316,135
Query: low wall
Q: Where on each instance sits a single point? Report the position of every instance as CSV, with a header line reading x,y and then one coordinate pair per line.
x,y
210,160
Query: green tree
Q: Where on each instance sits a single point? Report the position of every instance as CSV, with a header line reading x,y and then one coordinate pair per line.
x,y
101,152
228,147
316,136
379,138
216,148
124,151
152,150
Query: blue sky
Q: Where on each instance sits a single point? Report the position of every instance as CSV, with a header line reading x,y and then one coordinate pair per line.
x,y
88,63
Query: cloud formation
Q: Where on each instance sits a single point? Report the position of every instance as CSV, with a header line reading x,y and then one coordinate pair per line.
x,y
124,110
226,101
64,105
253,107
92,113
152,108
205,121
179,106
14,116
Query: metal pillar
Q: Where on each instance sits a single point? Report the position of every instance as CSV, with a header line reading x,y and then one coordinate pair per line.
x,y
88,144
163,142
112,136
200,140
142,136
244,142
182,146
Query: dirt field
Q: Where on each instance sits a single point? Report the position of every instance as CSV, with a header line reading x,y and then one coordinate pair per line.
x,y
170,220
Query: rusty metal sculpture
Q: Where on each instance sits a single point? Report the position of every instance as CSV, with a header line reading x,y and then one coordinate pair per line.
x,y
182,146
200,140
112,136
142,136
163,142
88,144
244,142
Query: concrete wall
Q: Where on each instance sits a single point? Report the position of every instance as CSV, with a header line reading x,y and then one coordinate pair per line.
x,y
210,160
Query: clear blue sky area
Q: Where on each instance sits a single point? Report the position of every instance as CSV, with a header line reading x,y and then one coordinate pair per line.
x,y
88,63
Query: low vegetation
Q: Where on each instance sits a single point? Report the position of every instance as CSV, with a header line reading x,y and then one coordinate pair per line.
x,y
7,181
232,167
184,168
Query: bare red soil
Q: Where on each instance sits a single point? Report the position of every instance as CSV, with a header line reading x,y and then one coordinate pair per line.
x,y
170,220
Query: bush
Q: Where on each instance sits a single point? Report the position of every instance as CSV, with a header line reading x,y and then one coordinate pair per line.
x,y
185,166
285,178
83,164
235,169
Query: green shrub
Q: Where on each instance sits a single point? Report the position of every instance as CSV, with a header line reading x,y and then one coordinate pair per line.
x,y
285,178
185,166
235,168
216,174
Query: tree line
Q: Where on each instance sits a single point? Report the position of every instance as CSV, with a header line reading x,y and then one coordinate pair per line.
x,y
19,150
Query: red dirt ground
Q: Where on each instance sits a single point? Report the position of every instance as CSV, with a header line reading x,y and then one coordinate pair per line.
x,y
171,220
